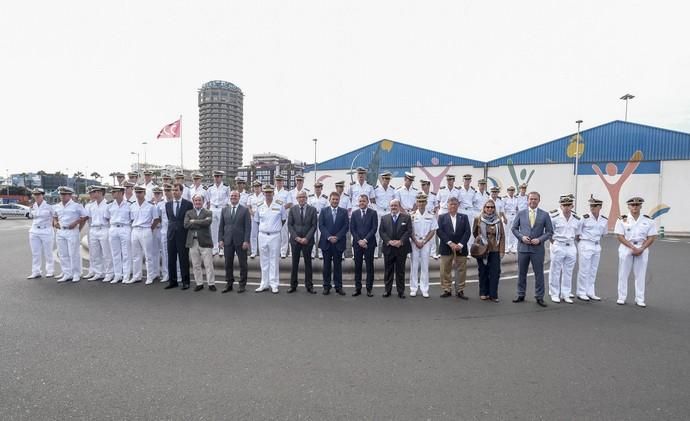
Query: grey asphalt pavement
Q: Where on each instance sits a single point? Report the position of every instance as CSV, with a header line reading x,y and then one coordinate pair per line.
x,y
96,351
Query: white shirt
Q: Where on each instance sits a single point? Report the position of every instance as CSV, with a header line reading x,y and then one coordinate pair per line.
x,y
318,202
194,190
445,193
69,213
510,205
407,197
500,205
97,213
218,196
467,198
358,189
149,191
453,219
119,214
480,199
270,217
522,202
294,192
564,230
282,197
144,214
163,214
635,230
592,229
431,202
345,202
254,201
244,198
383,199
423,224
41,216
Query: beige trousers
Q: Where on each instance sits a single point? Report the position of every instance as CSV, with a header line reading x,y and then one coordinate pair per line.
x,y
198,255
448,263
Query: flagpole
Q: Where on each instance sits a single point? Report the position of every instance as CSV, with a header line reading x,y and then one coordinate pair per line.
x,y
181,160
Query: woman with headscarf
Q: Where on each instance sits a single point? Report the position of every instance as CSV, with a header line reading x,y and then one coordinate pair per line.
x,y
489,230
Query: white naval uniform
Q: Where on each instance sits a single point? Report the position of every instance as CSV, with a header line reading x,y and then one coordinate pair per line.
x,y
422,224
218,198
383,207
41,238
318,203
244,198
407,198
432,206
186,192
563,254
445,193
120,218
142,240
467,199
270,219
282,197
346,203
160,242
68,239
637,232
194,190
522,202
253,203
510,208
148,196
480,199
589,252
100,256
357,189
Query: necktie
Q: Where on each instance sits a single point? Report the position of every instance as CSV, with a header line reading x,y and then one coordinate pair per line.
x,y
532,217
177,207
301,212
363,213
395,219
232,215
335,213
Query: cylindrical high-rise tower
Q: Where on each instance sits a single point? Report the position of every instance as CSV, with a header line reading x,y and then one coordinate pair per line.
x,y
220,128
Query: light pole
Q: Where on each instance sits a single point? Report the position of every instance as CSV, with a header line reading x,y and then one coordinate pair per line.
x,y
7,180
145,161
626,98
577,159
137,154
314,140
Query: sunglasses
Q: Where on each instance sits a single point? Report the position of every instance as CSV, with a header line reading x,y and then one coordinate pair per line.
x,y
490,207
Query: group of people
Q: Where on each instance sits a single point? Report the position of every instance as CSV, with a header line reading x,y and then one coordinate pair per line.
x,y
167,226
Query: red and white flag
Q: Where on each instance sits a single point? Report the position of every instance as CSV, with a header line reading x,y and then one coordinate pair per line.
x,y
170,131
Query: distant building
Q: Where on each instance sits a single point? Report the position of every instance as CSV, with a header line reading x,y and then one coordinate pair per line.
x,y
265,166
220,128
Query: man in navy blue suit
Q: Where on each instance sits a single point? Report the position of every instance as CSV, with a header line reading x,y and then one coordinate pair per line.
x,y
333,225
177,237
364,224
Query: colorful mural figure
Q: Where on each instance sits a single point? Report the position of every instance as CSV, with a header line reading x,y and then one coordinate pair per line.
x,y
436,180
524,178
614,189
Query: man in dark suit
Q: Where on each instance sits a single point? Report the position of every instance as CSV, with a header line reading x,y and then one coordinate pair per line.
x,y
364,223
532,227
333,225
177,237
453,233
395,231
302,227
234,232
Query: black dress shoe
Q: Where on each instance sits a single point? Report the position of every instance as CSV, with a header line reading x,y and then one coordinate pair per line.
x,y
170,286
228,288
311,291
212,288
386,294
541,303
339,291
519,299
357,293
445,294
241,290
369,293
291,290
198,288
185,286
461,295
401,296
326,291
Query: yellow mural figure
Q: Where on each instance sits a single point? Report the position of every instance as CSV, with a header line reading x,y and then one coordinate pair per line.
x,y
575,148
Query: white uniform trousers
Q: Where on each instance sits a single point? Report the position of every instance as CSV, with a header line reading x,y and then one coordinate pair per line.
x,y
161,237
511,240
316,251
433,251
284,243
561,269
588,256
68,250
156,248
377,250
470,216
41,242
120,244
100,257
215,222
254,238
269,248
199,255
420,263
638,264
142,245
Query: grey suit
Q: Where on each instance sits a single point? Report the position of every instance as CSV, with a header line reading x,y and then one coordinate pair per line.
x,y
302,227
234,232
527,253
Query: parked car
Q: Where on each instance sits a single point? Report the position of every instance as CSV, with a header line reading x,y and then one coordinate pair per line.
x,y
14,209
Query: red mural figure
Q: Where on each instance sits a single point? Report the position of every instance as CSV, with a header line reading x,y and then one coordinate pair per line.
x,y
436,180
615,188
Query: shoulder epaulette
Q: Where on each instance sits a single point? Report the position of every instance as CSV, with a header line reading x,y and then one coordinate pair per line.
x,y
623,217
306,189
107,202
278,201
473,188
576,217
442,187
602,216
433,192
352,183
585,216
414,188
554,211
260,204
151,202
324,196
504,197
311,195
647,216
345,194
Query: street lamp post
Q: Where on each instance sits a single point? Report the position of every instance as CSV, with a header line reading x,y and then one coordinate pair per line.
x,y
137,154
314,140
626,98
577,159
145,160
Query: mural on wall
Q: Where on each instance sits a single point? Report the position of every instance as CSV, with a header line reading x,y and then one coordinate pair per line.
x,y
524,177
614,188
436,180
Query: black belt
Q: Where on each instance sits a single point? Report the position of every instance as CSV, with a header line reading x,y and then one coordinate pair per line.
x,y
120,225
269,233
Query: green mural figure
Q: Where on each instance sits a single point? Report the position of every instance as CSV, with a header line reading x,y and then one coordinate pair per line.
x,y
524,178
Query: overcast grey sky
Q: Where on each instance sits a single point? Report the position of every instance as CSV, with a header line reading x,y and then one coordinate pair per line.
x,y
85,82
